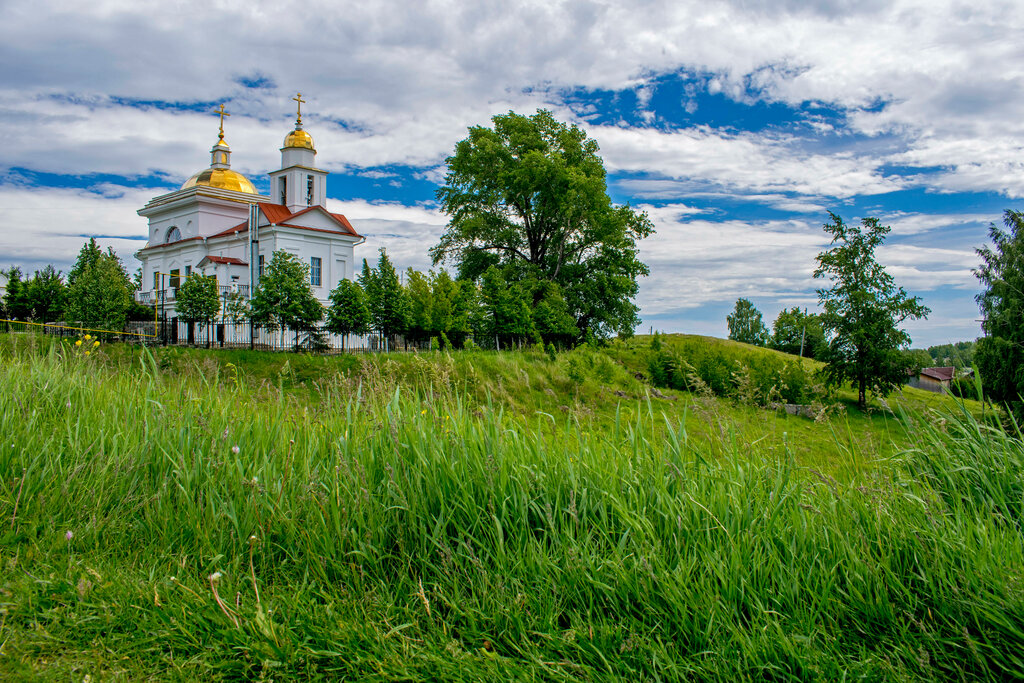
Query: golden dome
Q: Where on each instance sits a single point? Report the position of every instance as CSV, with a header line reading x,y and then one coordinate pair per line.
x,y
223,178
299,138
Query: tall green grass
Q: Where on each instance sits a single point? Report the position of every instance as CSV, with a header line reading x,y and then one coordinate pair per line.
x,y
385,533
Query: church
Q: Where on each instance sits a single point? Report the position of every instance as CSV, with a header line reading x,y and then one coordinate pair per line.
x,y
204,227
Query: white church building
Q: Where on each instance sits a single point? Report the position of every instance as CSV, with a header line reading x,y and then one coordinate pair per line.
x,y
204,226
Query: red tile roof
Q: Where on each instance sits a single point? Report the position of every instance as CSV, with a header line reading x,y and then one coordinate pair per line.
x,y
280,215
230,260
943,374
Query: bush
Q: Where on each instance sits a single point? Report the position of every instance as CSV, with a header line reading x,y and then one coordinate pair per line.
x,y
747,375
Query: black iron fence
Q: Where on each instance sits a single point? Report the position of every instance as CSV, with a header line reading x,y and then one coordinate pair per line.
x,y
224,334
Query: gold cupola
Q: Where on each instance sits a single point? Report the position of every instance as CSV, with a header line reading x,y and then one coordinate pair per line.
x,y
298,138
220,174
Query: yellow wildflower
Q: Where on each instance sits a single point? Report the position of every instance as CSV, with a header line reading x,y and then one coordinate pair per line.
x,y
95,344
87,353
78,343
88,337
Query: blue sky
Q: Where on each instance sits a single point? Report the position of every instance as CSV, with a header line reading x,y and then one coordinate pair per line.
x,y
735,125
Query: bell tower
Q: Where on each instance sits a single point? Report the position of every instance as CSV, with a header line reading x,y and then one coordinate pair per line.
x,y
298,184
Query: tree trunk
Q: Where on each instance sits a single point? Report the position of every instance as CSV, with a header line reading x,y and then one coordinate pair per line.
x,y
862,394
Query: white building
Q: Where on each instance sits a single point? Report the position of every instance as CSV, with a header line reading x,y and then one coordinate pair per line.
x,y
204,226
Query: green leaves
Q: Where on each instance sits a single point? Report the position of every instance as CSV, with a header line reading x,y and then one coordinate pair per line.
x,y
283,297
197,298
745,324
99,289
1000,355
531,194
862,311
348,312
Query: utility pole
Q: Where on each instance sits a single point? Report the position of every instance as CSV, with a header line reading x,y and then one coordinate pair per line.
x,y
803,334
254,264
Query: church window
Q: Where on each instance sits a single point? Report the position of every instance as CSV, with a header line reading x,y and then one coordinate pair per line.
x,y
175,278
156,280
188,270
309,190
314,271
260,272
284,191
173,234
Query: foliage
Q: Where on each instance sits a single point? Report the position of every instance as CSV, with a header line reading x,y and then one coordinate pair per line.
x,y
348,312
794,329
198,299
531,194
283,297
505,549
959,355
99,289
745,324
46,295
918,359
17,302
751,376
237,308
504,313
862,311
386,298
1000,354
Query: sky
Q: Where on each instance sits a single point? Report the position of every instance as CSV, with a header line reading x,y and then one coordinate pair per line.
x,y
737,126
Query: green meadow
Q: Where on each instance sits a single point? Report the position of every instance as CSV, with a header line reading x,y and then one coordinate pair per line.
x,y
175,514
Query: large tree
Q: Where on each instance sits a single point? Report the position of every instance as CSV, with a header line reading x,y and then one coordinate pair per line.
x,y
17,303
999,355
283,297
531,194
863,309
746,325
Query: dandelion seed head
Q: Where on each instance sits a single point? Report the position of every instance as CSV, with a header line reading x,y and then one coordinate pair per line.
x,y
215,577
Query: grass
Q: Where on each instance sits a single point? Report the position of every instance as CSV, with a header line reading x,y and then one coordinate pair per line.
x,y
412,520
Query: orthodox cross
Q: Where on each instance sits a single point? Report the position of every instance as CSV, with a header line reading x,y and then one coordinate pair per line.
x,y
222,115
298,110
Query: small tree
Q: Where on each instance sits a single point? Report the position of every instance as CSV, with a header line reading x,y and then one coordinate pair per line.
x,y
745,324
794,330
387,300
283,297
505,308
17,303
1000,353
99,289
348,312
198,301
862,311
46,294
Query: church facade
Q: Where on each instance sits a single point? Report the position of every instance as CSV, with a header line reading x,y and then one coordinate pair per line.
x,y
204,227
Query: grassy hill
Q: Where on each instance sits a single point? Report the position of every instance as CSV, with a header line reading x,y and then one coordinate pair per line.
x,y
201,515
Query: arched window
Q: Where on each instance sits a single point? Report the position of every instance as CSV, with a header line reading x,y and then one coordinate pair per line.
x,y
173,234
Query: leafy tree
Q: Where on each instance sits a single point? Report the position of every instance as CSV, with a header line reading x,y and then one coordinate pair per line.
x,y
862,310
959,355
237,308
17,302
46,295
793,326
283,297
198,300
348,312
919,359
745,324
505,309
99,289
420,321
388,303
530,195
551,314
453,302
1000,353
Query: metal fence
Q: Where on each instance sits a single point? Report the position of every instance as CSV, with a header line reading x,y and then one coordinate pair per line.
x,y
225,335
